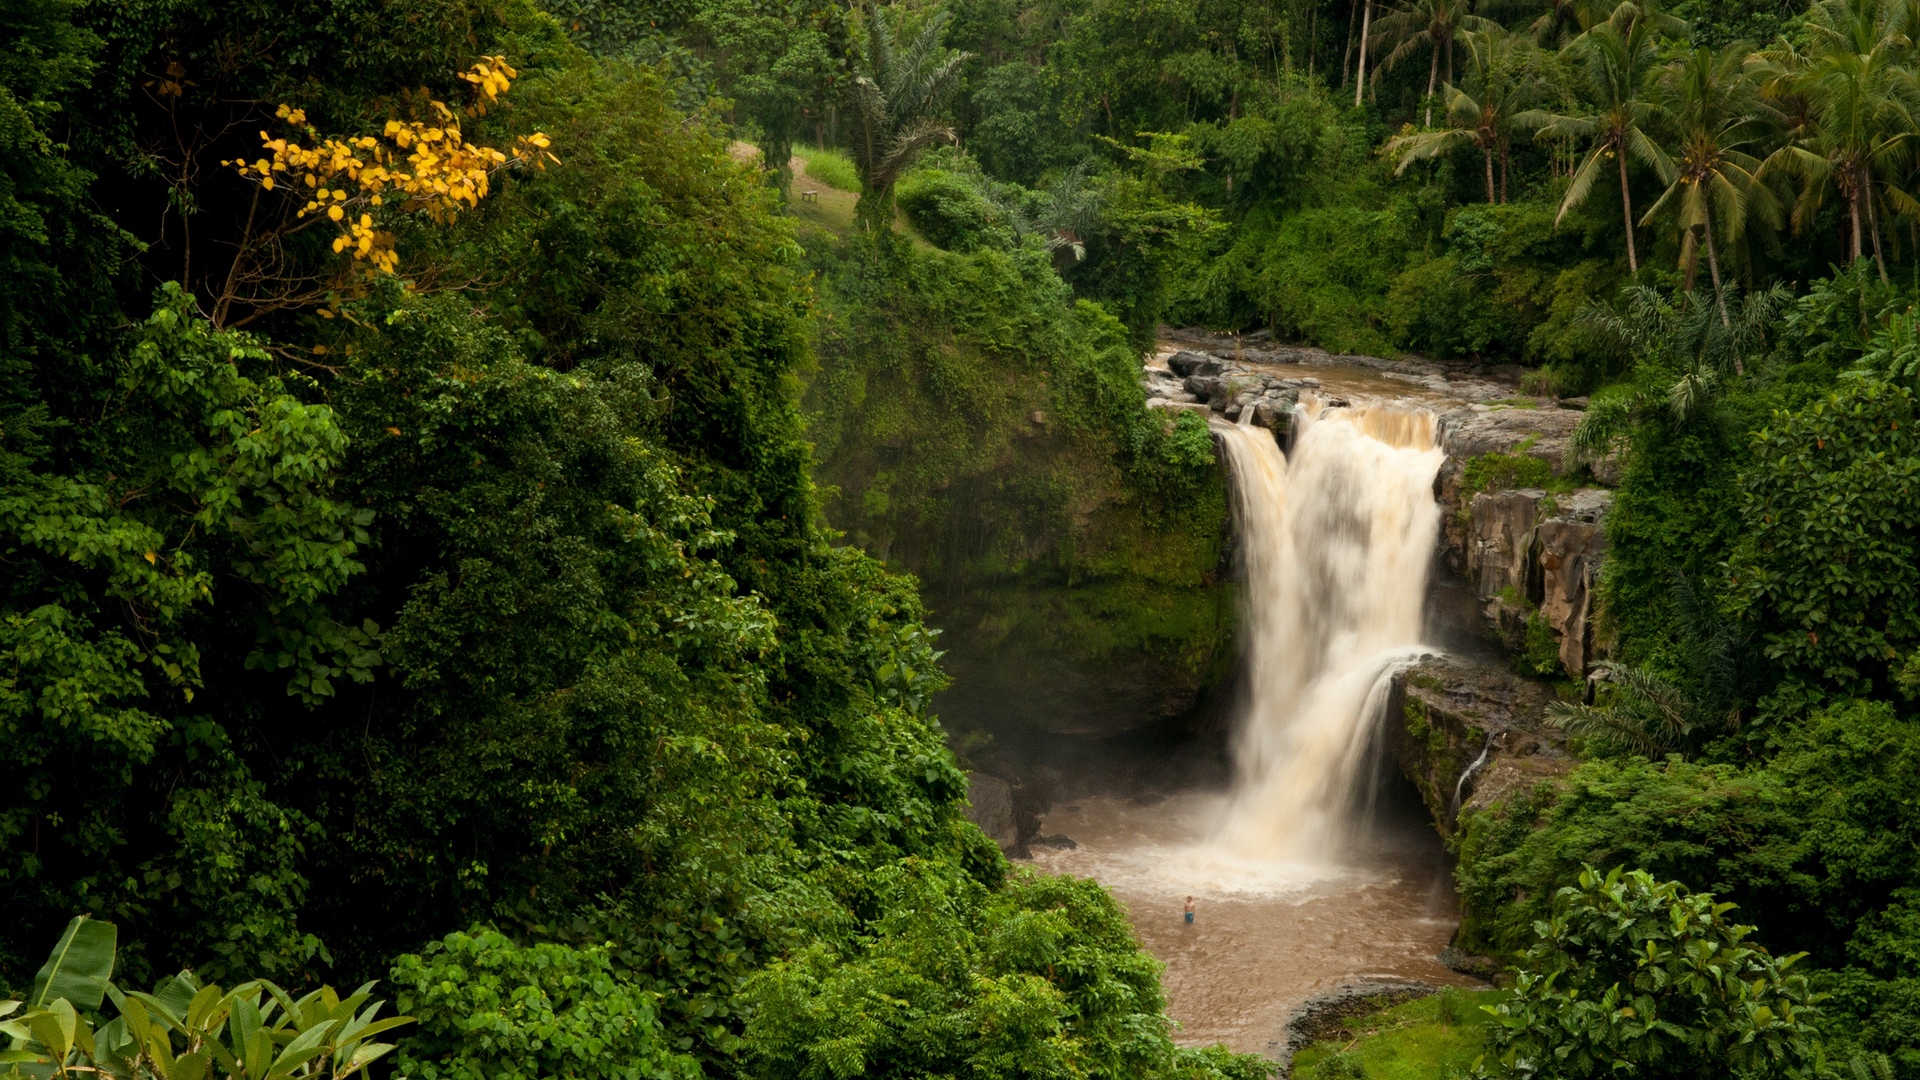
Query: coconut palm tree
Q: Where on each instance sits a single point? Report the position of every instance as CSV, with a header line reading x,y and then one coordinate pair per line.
x,y
1857,98
1711,111
1486,114
1612,65
1424,24
897,95
1555,23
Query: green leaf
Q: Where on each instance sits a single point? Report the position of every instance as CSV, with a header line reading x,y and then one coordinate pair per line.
x,y
80,965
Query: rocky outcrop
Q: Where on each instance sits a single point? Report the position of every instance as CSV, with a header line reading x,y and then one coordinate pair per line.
x,y
1569,544
1526,551
1469,734
1209,384
990,806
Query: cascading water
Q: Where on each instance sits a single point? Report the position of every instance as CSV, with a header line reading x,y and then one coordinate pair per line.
x,y
1337,541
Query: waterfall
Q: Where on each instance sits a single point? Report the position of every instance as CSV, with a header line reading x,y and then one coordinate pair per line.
x,y
1337,542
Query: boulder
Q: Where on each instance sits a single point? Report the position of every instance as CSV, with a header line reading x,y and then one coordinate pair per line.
x,y
990,806
1188,362
1276,415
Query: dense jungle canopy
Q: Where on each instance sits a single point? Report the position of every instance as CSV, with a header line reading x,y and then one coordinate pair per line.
x,y
463,529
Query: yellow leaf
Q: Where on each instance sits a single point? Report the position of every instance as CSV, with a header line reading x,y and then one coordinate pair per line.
x,y
151,556
335,213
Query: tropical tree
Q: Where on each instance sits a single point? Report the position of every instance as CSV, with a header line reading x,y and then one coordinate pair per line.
x,y
1710,108
897,96
1486,114
1424,24
1612,64
1857,95
781,57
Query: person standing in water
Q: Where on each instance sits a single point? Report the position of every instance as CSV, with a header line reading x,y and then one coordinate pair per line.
x,y
1189,910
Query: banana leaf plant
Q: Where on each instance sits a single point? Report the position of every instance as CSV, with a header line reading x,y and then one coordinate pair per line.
x,y
183,1030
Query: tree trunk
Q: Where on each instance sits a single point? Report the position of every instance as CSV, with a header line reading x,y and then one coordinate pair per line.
x,y
1366,28
1853,208
1488,151
1719,291
1505,155
1313,41
1433,72
1626,207
1873,228
1346,58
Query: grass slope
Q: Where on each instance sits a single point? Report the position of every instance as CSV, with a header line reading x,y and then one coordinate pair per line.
x,y
1423,1039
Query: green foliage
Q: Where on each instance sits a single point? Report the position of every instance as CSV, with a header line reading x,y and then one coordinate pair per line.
x,y
488,1008
1827,568
1038,979
256,1031
78,968
1501,472
950,210
1630,972
1807,843
1539,651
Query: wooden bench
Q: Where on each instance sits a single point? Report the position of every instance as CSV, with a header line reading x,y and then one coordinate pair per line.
x,y
810,196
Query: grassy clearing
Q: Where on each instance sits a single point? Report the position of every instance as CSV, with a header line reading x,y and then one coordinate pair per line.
x,y
1424,1039
825,203
829,167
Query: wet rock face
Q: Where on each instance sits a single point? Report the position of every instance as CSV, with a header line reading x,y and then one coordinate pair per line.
x,y
1470,734
1524,550
1569,546
990,806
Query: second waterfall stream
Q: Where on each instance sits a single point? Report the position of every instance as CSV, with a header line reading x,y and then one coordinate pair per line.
x,y
1337,540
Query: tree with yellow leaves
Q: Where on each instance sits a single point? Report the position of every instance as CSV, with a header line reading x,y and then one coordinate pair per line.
x,y
420,165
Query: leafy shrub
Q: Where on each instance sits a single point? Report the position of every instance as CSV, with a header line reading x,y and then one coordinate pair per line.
x,y
1039,979
1828,564
183,1030
1539,651
1634,974
489,1009
950,210
1812,844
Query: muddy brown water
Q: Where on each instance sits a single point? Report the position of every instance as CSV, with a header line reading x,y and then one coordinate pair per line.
x,y
1265,937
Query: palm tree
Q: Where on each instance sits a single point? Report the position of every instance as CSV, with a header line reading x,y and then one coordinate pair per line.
x,y
1484,116
1688,333
1555,22
1707,104
897,95
1613,63
1856,90
1424,24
